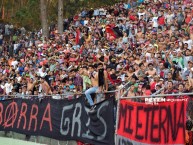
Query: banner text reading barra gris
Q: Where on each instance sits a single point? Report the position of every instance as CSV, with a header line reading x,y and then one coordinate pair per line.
x,y
141,123
59,119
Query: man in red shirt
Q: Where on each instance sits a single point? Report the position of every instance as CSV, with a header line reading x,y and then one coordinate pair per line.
x,y
161,19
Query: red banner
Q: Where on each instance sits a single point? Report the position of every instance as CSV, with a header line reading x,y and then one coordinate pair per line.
x,y
152,124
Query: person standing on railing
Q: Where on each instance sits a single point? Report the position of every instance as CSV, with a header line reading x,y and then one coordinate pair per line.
x,y
93,75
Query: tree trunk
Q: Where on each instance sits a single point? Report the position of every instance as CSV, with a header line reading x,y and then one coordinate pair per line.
x,y
60,16
44,22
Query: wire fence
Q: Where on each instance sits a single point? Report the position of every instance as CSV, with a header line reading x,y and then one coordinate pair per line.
x,y
67,96
119,94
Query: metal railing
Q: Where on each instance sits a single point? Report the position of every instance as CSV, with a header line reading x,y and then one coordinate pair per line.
x,y
119,96
44,95
41,96
114,93
160,95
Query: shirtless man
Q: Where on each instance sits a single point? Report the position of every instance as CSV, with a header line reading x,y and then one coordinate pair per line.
x,y
131,92
93,75
151,71
139,34
45,87
137,59
30,85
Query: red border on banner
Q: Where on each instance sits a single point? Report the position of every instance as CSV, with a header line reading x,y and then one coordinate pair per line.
x,y
153,124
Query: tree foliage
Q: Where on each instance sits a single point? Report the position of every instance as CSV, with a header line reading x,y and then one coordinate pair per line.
x,y
27,12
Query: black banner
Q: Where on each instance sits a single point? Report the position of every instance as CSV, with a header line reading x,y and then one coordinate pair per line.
x,y
60,119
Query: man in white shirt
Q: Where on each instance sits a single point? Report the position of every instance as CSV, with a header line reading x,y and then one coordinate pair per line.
x,y
3,86
6,29
41,72
169,17
155,23
188,41
14,63
1,37
8,87
96,12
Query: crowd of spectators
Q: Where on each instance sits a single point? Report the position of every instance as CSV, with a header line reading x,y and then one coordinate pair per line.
x,y
147,45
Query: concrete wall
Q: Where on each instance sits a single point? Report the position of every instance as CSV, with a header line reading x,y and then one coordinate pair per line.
x,y
38,139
